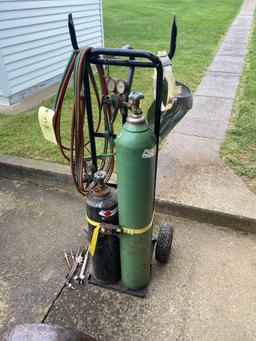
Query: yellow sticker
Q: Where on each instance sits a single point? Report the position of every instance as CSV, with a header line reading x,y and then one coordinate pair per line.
x,y
45,117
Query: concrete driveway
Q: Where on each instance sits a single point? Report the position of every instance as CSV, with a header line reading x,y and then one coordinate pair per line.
x,y
207,291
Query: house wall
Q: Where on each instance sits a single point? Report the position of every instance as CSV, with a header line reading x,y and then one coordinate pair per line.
x,y
35,44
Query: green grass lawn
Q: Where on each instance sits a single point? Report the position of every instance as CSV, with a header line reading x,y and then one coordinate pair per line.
x,y
239,147
145,25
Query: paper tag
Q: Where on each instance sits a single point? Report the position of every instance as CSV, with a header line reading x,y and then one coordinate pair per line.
x,y
148,153
45,117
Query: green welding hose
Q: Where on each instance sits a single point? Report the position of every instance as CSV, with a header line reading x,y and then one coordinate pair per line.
x,y
62,78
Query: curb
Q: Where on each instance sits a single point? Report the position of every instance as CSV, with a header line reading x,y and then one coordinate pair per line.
x,y
37,172
58,176
203,215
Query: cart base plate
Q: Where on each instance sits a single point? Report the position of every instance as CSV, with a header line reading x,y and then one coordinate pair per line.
x,y
118,287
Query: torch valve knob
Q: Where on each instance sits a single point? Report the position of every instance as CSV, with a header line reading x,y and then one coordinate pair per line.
x,y
136,96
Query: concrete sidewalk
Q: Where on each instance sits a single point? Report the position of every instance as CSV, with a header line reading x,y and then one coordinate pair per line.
x,y
191,171
207,290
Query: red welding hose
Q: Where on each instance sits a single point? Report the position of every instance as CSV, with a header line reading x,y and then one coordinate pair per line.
x,y
78,143
59,104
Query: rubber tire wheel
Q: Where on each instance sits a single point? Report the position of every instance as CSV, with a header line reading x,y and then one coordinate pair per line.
x,y
164,243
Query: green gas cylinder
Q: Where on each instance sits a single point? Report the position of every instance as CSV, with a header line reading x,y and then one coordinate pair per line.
x,y
136,161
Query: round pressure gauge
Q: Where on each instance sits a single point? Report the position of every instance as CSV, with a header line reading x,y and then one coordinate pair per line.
x,y
111,84
122,86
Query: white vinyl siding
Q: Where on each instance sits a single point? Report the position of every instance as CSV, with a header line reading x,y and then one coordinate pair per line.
x,y
35,43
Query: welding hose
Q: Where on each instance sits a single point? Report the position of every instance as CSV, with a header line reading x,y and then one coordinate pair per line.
x,y
78,152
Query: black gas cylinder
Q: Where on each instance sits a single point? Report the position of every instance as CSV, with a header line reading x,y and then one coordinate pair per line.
x,y
101,206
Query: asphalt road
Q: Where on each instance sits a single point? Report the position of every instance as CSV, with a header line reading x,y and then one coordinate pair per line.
x,y
207,291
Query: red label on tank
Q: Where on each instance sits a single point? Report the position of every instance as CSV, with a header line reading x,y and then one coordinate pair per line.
x,y
108,213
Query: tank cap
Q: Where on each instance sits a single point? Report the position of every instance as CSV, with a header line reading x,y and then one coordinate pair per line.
x,y
135,119
99,176
101,189
134,102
